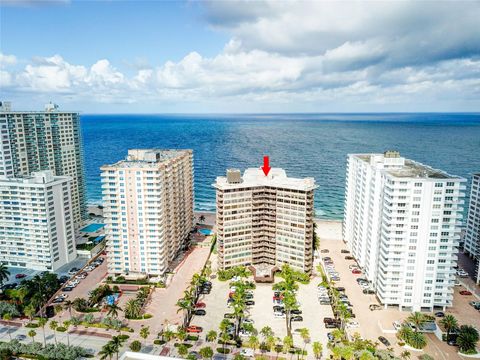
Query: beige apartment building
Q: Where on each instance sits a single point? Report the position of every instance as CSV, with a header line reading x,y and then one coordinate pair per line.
x,y
265,221
148,209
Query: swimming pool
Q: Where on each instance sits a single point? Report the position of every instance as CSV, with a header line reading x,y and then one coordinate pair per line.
x,y
205,231
92,227
112,299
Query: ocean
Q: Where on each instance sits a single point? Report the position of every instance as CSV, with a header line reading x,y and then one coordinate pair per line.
x,y
313,145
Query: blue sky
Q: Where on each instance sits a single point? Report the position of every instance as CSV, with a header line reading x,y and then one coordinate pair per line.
x,y
236,56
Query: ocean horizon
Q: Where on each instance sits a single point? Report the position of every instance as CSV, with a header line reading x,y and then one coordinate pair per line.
x,y
305,145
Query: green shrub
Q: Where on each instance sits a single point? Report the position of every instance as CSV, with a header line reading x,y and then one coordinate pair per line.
x,y
61,329
123,337
32,325
182,344
135,346
159,342
192,337
223,351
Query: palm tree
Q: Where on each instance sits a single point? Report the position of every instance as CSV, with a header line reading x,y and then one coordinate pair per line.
x,y
266,332
42,322
206,352
201,219
168,335
270,342
67,305
186,306
132,309
450,323
287,343
144,332
253,342
54,326
405,355
116,343
211,336
182,350
467,338
66,325
366,355
8,317
107,351
305,335
30,311
317,349
32,334
113,310
417,340
418,319
4,273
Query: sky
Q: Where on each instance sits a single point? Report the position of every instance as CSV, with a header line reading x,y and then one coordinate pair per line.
x,y
240,56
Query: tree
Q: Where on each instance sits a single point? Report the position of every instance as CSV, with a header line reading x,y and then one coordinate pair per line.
x,y
270,342
206,352
467,338
66,325
113,310
266,331
117,342
317,349
211,336
305,335
32,334
239,357
144,332
450,323
133,309
30,311
42,322
107,351
418,319
201,219
54,326
182,350
4,273
67,305
405,355
253,342
168,335
135,346
181,334
287,343
417,340
186,306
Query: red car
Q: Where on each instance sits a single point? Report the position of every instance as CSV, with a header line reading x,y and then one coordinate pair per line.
x,y
356,271
200,305
465,292
20,276
194,329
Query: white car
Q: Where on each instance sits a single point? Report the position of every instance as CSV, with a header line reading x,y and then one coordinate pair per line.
x,y
352,324
279,315
397,325
248,321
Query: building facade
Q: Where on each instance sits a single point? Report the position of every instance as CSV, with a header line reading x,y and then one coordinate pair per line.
x,y
402,224
148,209
265,220
36,221
44,140
472,231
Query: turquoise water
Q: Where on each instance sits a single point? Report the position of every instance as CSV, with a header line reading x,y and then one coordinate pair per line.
x,y
303,144
92,227
205,232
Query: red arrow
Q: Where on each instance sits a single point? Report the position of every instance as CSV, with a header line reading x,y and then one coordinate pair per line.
x,y
266,167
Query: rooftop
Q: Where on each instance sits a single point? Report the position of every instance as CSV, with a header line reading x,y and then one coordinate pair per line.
x,y
40,177
148,158
397,166
277,177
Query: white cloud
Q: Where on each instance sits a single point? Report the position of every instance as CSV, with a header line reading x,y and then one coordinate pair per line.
x,y
289,56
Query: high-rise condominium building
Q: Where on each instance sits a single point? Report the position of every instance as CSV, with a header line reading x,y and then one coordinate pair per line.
x,y
44,140
36,221
402,224
265,220
148,209
472,231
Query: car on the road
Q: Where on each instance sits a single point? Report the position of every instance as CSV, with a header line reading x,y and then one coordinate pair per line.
x,y
465,292
194,329
200,312
296,318
345,251
20,276
440,314
384,340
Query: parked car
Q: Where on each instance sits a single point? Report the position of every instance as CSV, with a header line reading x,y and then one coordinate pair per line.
x,y
229,316
248,321
356,271
279,314
330,337
384,340
249,302
340,288
324,251
352,324
278,308
474,303
345,251
20,276
194,329
296,312
296,318
368,291
200,305
440,314
349,257
68,288
373,307
397,325
465,292
58,300
73,271
200,312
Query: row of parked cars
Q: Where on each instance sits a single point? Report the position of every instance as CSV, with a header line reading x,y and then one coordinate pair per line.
x,y
72,283
330,269
279,308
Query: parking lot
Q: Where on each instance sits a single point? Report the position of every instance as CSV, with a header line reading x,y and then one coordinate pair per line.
x,y
262,312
